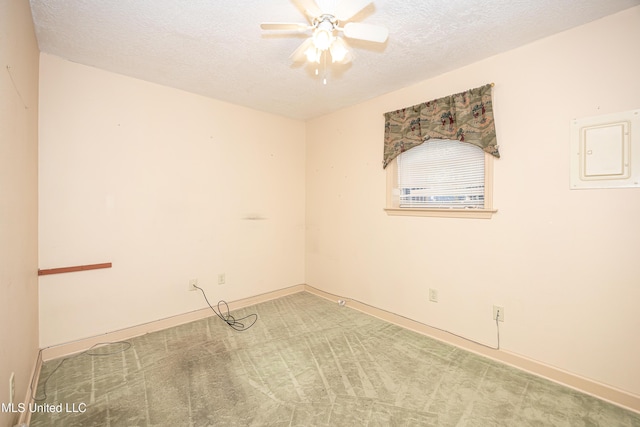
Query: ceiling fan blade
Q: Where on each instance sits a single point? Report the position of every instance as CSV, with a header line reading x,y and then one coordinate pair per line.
x,y
368,32
346,9
298,55
309,7
284,26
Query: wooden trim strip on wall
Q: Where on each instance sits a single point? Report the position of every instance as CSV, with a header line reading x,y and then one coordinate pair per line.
x,y
74,268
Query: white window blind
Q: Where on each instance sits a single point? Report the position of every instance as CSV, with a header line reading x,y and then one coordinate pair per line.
x,y
441,174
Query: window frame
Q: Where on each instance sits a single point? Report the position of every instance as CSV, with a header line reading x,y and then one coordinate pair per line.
x,y
393,203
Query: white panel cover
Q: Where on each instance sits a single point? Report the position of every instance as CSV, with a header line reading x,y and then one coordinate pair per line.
x,y
605,151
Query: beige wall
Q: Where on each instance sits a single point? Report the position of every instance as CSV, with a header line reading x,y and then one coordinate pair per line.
x,y
159,182
18,199
563,263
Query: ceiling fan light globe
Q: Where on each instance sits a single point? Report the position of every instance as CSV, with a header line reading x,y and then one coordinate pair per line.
x,y
312,54
338,52
322,39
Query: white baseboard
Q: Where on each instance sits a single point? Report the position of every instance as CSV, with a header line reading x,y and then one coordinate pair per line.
x,y
585,385
66,349
601,391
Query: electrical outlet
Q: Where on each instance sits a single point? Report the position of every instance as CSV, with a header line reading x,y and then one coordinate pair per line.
x,y
433,295
192,284
222,279
12,387
498,313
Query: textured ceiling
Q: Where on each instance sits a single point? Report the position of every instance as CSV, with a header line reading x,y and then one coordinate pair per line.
x,y
216,47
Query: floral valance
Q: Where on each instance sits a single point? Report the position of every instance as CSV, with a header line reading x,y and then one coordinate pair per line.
x,y
465,116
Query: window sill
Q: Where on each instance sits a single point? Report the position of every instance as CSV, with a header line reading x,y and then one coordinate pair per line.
x,y
442,213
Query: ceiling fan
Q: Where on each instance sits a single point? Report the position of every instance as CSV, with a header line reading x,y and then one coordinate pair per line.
x,y
326,26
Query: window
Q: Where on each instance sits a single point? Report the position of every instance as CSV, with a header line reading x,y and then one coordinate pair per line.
x,y
441,178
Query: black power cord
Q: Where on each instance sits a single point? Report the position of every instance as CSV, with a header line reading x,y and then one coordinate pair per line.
x,y
235,324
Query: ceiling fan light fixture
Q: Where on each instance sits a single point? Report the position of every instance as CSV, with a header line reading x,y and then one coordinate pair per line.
x,y
326,44
338,50
312,54
322,38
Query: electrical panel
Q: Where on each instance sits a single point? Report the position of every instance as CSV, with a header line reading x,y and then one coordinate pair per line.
x,y
605,151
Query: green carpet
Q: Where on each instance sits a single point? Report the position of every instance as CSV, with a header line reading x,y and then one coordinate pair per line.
x,y
306,362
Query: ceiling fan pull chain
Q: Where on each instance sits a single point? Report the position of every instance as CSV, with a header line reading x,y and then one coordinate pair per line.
x,y
324,67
